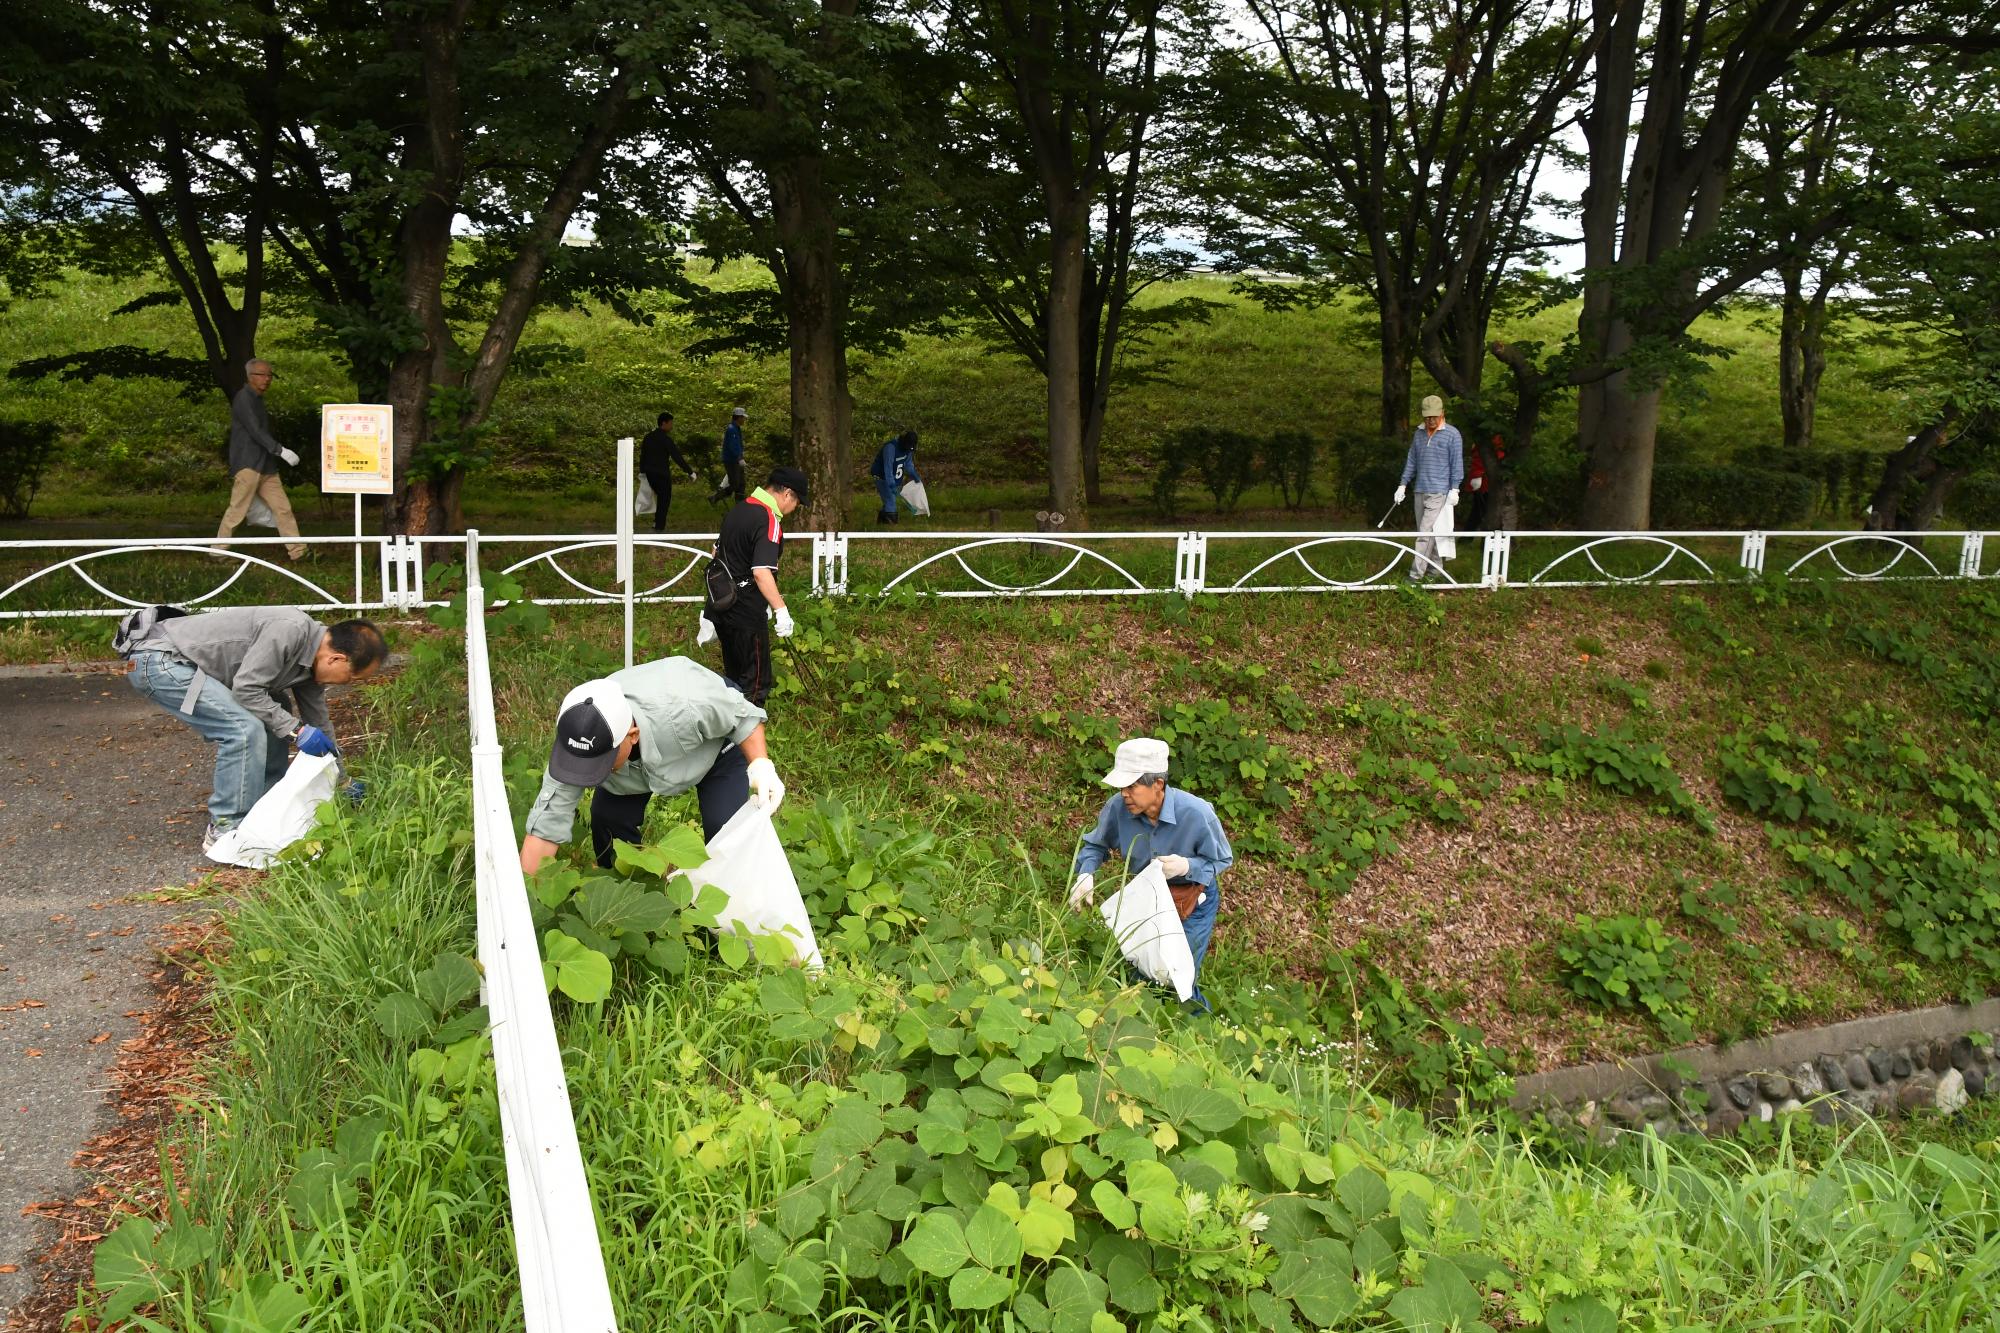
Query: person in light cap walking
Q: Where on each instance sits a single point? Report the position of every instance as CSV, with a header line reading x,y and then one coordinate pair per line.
x,y
1149,821
1436,463
656,729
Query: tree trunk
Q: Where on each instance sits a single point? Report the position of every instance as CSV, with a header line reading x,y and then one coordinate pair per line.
x,y
1069,226
814,323
1618,487
1801,358
1396,365
421,504
1907,464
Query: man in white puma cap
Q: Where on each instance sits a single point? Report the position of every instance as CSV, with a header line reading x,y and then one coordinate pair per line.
x,y
1149,821
656,729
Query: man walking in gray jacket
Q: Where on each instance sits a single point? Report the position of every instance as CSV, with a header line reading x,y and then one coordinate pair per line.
x,y
235,675
253,459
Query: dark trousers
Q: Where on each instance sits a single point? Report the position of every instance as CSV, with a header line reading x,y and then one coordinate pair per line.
x,y
662,483
732,482
622,818
745,637
1476,521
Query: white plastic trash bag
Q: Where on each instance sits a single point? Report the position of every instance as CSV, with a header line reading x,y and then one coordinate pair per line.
x,y
1447,546
644,501
281,817
748,863
917,498
1148,929
259,514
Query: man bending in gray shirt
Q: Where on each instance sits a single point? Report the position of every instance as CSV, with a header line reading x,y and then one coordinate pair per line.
x,y
253,459
235,675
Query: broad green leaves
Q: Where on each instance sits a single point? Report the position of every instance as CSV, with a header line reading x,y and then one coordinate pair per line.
x,y
578,971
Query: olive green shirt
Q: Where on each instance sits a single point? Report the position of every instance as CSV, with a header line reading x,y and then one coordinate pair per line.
x,y
687,715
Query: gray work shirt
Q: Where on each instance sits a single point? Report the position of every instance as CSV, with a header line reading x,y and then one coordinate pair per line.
x,y
687,715
262,654
251,444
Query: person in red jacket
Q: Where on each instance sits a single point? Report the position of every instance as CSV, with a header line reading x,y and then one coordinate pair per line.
x,y
1477,487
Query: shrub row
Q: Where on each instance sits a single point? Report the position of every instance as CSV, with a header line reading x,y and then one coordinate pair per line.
x,y
1231,462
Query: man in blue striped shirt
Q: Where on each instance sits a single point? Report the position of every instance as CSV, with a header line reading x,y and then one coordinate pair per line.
x,y
1437,464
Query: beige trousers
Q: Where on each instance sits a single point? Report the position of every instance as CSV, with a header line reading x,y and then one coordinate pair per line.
x,y
251,483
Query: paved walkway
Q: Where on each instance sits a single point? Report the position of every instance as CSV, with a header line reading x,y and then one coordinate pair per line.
x,y
101,797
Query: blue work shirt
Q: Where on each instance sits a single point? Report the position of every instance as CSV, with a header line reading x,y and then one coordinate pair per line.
x,y
732,443
895,463
1187,827
1437,462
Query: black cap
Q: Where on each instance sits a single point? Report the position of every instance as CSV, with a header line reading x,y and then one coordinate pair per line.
x,y
792,480
588,734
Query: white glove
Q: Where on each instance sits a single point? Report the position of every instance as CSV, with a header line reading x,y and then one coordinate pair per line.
x,y
1082,893
705,634
1475,483
291,459
765,789
690,474
1401,491
1173,867
784,625
1451,498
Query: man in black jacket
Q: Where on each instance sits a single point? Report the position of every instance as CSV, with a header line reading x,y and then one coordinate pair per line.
x,y
254,454
656,452
753,534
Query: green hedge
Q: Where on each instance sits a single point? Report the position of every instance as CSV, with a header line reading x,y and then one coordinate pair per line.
x,y
1976,501
25,450
1691,496
1229,462
1843,479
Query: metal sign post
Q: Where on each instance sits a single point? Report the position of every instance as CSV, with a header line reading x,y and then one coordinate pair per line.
x,y
357,456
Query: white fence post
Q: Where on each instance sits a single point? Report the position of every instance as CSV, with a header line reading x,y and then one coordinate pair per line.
x,y
625,497
830,564
1752,558
1971,555
402,573
563,1284
1495,559
1190,563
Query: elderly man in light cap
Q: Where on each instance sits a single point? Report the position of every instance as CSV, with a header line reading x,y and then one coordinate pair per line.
x,y
1149,821
656,729
1437,464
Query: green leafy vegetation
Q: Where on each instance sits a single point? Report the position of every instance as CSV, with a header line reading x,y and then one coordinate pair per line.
x,y
1627,962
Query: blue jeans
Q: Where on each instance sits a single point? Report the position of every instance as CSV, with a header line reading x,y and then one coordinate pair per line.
x,y
1200,926
887,490
249,760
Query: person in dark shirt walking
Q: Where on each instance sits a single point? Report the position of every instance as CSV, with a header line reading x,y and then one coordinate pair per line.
x,y
753,536
732,458
254,455
656,453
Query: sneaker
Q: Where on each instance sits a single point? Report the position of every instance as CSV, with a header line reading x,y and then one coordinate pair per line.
x,y
208,838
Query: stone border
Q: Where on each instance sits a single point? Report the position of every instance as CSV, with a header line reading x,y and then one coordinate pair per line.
x,y
1879,1066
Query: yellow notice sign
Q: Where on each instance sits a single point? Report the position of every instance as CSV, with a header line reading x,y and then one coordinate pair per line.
x,y
357,444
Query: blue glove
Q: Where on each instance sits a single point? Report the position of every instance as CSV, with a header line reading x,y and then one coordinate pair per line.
x,y
311,740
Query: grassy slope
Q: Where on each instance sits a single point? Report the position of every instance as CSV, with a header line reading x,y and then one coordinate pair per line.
x,y
1312,371
1466,909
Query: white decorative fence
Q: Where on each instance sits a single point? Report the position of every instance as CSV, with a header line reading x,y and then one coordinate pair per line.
x,y
60,579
